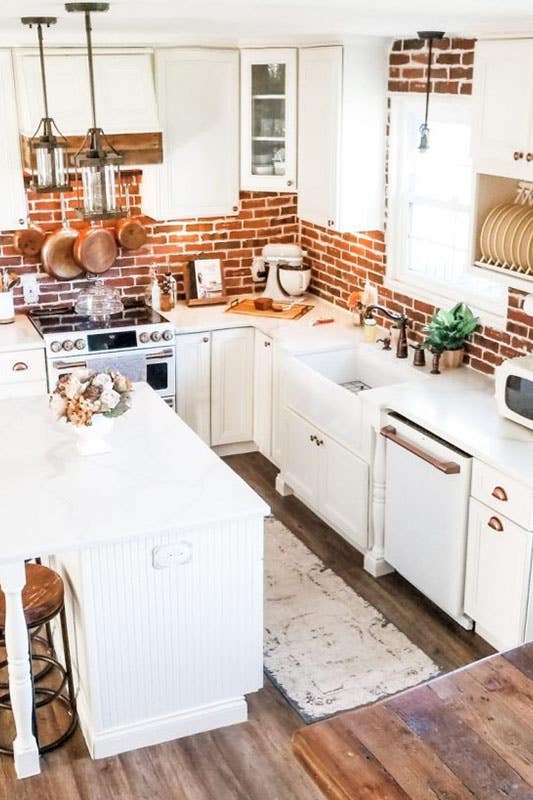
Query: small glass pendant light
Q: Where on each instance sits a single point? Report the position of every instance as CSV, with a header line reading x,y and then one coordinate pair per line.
x,y
48,145
97,161
427,36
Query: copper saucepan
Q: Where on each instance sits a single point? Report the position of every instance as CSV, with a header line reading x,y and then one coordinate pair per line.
x,y
131,233
95,249
29,241
57,252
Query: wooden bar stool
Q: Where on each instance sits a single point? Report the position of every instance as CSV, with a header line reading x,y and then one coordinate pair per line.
x,y
42,600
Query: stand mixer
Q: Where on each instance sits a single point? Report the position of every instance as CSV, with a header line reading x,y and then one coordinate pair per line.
x,y
285,273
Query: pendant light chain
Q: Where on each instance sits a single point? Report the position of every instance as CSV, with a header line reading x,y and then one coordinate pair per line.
x,y
88,32
427,36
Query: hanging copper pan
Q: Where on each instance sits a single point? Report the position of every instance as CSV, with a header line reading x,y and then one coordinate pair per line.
x,y
29,241
95,249
131,233
57,252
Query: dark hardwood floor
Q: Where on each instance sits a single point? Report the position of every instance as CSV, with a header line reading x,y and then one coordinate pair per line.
x,y
251,761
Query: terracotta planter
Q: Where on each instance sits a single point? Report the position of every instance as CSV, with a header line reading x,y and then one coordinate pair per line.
x,y
451,359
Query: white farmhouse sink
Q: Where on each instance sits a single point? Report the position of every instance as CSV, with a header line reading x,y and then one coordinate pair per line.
x,y
320,387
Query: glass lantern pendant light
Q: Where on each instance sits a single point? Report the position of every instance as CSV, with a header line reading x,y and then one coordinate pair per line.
x,y
97,161
48,145
427,36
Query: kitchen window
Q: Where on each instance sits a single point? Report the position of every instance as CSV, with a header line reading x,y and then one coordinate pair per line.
x,y
430,205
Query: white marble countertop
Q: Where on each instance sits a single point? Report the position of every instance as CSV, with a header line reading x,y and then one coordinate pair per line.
x,y
159,476
19,335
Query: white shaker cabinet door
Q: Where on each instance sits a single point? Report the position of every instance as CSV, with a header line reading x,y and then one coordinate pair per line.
x,y
232,386
344,490
193,382
198,100
497,576
319,129
13,203
301,457
503,108
263,393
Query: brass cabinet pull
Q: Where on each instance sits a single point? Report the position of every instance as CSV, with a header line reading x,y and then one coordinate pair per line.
x,y
499,493
448,467
495,524
517,155
19,366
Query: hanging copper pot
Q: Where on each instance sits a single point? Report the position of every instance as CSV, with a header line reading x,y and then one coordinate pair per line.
x,y
29,241
95,249
57,252
131,233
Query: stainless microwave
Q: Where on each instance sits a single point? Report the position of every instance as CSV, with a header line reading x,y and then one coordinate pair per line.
x,y
514,390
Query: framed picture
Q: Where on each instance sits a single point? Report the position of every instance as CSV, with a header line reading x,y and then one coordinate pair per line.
x,y
205,284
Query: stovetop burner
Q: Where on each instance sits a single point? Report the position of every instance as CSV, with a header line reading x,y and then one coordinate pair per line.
x,y
63,319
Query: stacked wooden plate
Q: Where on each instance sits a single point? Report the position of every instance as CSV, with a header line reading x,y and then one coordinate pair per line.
x,y
506,238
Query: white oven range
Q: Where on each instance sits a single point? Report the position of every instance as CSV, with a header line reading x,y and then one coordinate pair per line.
x,y
138,342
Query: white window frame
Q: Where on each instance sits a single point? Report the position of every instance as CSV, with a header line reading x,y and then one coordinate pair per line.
x,y
437,293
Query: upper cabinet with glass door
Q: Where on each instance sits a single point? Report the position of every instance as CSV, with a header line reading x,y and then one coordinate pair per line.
x,y
268,115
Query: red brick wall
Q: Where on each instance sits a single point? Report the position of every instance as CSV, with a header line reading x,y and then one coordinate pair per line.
x,y
263,217
341,263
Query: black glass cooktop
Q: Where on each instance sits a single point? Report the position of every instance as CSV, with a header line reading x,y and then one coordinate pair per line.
x,y
63,319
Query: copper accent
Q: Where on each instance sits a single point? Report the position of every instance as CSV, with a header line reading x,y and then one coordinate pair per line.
x,y
29,241
131,233
529,157
495,524
517,155
19,366
499,493
95,249
57,253
448,467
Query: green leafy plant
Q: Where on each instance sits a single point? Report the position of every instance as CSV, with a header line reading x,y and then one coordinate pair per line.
x,y
448,330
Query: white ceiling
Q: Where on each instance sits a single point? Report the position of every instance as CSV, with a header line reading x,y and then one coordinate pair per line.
x,y
268,21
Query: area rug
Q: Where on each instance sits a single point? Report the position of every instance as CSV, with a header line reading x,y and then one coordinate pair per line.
x,y
326,649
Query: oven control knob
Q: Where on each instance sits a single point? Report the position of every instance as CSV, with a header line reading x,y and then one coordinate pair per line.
x,y
68,345
168,335
156,336
55,347
144,337
79,344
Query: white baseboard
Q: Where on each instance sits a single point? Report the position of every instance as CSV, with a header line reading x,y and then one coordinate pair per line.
x,y
236,449
102,744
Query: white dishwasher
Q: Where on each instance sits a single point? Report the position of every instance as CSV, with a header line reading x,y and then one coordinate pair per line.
x,y
426,513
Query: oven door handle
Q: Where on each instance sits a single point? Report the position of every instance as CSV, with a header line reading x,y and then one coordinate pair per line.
x,y
69,364
448,467
160,354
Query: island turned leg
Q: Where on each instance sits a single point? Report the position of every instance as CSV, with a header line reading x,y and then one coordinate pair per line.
x,y
26,754
374,561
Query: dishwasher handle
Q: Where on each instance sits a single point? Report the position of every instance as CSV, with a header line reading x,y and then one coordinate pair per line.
x,y
448,467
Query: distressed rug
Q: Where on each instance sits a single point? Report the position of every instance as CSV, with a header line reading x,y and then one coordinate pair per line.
x,y
326,649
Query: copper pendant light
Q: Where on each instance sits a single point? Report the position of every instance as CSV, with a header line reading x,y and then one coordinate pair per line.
x,y
427,36
97,161
48,145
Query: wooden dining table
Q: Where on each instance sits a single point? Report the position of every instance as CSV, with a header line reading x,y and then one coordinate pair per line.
x,y
465,736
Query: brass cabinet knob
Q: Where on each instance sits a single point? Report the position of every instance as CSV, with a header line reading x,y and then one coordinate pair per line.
x,y
529,157
517,155
495,524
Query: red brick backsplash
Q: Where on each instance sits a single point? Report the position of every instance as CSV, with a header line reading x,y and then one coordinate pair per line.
x,y
343,262
263,217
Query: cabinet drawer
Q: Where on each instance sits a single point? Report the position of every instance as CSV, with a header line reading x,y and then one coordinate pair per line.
x,y
503,494
22,367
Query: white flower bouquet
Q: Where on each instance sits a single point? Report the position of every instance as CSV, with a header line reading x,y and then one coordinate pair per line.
x,y
82,393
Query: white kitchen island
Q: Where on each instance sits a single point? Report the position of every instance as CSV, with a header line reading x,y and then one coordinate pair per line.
x,y
160,545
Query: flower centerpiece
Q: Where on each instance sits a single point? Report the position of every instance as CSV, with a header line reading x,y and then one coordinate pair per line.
x,y
90,401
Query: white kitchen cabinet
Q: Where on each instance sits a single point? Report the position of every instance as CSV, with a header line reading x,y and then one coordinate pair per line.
x,y
328,477
268,119
341,135
124,87
13,203
232,386
263,362
497,576
198,101
503,108
193,382
22,373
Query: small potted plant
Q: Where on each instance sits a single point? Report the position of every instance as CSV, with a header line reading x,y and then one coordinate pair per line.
x,y
447,333
90,401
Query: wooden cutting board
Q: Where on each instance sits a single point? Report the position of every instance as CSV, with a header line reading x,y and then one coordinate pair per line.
x,y
247,307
